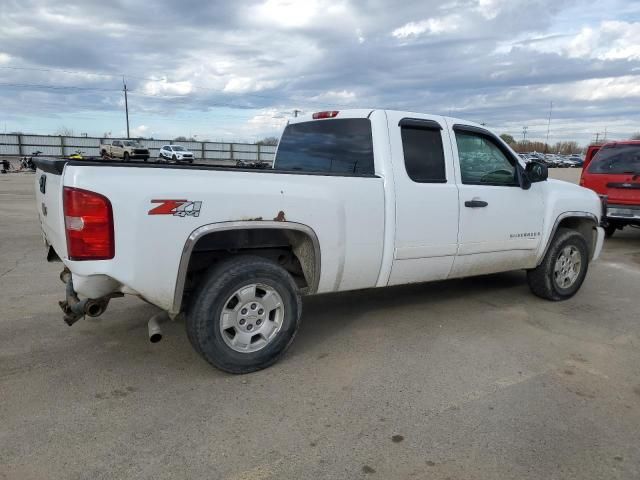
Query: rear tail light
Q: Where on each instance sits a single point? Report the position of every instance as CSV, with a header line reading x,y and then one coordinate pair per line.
x,y
88,221
320,115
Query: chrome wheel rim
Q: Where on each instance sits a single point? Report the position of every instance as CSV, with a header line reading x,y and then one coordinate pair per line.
x,y
251,317
567,267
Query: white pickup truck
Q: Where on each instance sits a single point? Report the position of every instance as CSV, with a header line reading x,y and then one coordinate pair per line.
x,y
356,199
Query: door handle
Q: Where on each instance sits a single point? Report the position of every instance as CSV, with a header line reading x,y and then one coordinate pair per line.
x,y
475,203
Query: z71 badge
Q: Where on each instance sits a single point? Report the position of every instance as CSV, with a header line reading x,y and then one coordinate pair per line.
x,y
177,208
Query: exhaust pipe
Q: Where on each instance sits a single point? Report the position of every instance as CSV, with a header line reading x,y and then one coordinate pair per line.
x,y
155,332
74,309
95,308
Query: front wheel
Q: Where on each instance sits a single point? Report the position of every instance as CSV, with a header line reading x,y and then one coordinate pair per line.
x,y
125,157
563,268
245,314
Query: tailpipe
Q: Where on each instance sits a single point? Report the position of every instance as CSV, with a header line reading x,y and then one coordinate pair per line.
x,y
155,332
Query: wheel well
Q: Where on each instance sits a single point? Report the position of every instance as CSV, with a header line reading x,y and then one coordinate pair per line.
x,y
293,250
586,227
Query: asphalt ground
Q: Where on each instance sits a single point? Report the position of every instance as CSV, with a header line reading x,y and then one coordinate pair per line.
x,y
465,379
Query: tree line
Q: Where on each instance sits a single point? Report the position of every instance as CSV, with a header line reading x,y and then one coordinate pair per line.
x,y
562,148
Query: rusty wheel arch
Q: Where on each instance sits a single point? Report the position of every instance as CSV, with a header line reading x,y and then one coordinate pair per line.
x,y
309,260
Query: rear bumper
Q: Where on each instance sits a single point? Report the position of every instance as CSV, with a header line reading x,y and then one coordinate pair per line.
x,y
625,213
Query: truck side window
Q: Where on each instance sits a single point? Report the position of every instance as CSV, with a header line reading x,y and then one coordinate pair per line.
x,y
423,154
482,161
333,146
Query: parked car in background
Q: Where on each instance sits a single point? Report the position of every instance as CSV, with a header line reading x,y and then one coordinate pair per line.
x,y
176,153
124,149
614,174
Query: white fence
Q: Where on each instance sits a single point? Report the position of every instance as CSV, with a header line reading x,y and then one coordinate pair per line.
x,y
60,146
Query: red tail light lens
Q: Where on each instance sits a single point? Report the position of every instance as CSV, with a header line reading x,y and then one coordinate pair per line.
x,y
88,221
320,115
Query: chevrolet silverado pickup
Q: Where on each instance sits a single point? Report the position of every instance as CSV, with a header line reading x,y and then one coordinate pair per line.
x,y
356,199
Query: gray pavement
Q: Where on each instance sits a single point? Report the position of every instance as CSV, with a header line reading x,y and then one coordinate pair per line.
x,y
467,379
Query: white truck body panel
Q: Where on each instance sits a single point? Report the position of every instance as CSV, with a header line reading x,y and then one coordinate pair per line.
x,y
372,231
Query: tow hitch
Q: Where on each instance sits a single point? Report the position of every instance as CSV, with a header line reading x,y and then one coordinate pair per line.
x,y
74,309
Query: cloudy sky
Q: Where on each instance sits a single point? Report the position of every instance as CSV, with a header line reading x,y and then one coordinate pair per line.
x,y
236,70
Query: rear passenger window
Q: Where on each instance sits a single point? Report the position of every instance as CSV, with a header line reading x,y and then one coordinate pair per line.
x,y
336,146
423,154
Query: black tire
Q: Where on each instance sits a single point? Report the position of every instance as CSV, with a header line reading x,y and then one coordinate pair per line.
x,y
541,279
144,159
125,157
203,316
174,158
609,230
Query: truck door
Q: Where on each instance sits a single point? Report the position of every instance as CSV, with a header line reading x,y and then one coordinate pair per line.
x,y
500,223
426,195
116,148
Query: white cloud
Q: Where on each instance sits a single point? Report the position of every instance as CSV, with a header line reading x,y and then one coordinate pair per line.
x,y
610,40
164,87
4,57
267,122
430,26
139,131
335,96
288,13
490,9
600,89
247,84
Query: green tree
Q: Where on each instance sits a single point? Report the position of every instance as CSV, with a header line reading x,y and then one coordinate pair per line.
x,y
508,138
273,141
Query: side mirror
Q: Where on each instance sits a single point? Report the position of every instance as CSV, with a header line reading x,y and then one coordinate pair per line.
x,y
536,171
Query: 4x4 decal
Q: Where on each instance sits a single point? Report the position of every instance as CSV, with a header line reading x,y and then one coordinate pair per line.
x,y
177,208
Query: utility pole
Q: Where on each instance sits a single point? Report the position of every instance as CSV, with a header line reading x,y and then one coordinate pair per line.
x,y
605,135
126,105
524,134
296,112
549,122
597,136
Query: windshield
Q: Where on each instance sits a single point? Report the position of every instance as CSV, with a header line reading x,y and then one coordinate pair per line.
x,y
132,144
337,146
178,148
617,159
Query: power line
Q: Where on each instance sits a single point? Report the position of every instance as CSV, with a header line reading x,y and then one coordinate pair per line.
x,y
165,79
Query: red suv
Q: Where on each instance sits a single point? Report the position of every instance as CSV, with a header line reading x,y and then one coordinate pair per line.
x,y
614,174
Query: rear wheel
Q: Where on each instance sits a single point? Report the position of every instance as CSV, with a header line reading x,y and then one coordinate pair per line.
x,y
125,157
563,268
245,314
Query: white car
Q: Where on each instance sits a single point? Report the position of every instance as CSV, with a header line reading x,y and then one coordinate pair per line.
x,y
356,199
176,153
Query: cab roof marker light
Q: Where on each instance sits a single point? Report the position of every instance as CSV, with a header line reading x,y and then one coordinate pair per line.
x,y
327,114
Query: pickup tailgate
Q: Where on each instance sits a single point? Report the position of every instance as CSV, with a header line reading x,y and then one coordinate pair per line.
x,y
48,185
